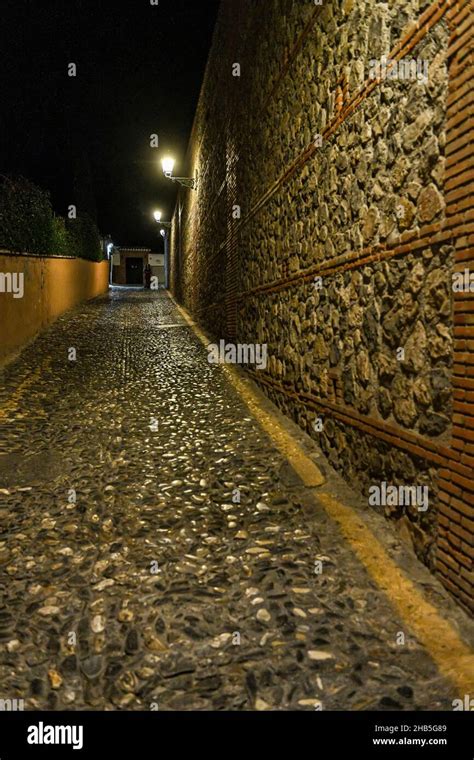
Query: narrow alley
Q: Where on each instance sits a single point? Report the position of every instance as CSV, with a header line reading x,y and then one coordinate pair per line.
x,y
160,553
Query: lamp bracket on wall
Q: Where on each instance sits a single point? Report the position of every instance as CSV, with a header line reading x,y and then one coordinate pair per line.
x,y
190,182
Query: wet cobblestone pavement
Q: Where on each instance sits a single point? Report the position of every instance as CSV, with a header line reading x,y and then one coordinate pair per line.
x,y
131,575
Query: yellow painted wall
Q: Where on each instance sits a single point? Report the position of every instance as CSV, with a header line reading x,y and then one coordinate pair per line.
x,y
51,287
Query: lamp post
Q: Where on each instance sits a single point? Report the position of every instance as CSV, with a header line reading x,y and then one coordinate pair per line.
x,y
168,166
166,237
110,257
165,226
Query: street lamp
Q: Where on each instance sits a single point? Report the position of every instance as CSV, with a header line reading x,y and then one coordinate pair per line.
x,y
166,241
165,235
110,258
168,166
157,216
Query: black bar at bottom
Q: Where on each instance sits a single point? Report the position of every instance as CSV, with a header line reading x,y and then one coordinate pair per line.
x,y
154,734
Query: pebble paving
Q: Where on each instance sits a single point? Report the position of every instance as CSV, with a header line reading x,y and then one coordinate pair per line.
x,y
154,553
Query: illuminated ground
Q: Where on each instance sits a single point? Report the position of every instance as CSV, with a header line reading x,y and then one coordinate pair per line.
x,y
158,552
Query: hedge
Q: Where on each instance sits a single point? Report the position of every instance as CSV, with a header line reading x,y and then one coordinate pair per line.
x,y
83,238
28,224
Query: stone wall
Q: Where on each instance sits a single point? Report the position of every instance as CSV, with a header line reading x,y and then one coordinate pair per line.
x,y
51,286
333,206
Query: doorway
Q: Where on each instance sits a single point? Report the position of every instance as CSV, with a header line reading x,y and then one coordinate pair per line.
x,y
134,271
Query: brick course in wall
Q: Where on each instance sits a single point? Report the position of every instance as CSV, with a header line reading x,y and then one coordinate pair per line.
x,y
455,544
250,277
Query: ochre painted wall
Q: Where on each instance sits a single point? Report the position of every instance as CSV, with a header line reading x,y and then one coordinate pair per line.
x,y
51,287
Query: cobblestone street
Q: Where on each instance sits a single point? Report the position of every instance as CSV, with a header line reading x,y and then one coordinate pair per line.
x,y
156,550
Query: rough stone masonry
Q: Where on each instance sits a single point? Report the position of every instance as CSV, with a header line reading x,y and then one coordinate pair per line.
x,y
332,210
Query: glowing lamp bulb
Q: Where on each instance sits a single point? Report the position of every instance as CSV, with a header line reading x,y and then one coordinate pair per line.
x,y
157,215
168,165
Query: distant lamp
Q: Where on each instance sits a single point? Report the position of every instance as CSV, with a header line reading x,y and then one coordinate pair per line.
x,y
157,216
162,233
168,166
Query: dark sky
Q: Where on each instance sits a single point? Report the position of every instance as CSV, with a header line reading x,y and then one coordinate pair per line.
x,y
87,139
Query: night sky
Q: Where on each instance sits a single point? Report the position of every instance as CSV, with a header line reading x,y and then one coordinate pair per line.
x,y
87,139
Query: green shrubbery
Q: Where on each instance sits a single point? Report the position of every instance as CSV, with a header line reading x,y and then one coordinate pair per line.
x,y
83,238
26,217
28,225
60,244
